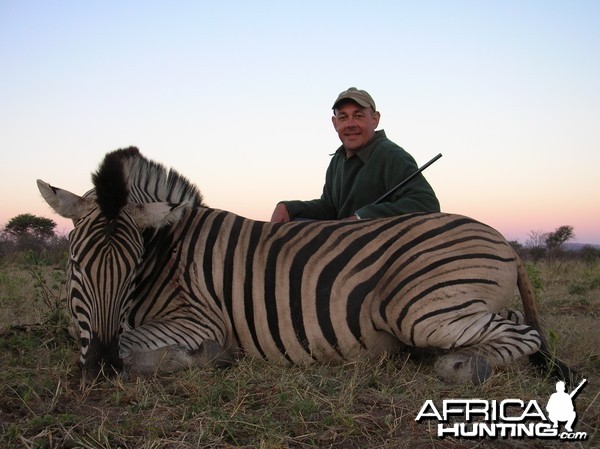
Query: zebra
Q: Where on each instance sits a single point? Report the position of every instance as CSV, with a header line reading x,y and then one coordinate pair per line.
x,y
159,282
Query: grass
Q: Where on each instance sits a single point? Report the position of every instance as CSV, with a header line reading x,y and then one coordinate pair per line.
x,y
255,404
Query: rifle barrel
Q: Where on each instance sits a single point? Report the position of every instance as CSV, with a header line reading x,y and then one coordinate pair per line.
x,y
574,392
393,189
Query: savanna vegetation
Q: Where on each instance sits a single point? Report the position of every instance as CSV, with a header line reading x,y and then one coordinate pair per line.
x,y
255,404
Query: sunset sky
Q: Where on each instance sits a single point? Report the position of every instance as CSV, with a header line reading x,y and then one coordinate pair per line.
x,y
237,95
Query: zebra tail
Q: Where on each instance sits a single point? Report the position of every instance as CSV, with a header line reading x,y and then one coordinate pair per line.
x,y
543,359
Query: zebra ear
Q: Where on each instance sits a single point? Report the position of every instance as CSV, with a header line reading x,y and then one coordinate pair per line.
x,y
155,215
64,203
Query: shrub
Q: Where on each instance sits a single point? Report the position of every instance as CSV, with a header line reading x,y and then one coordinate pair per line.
x,y
535,276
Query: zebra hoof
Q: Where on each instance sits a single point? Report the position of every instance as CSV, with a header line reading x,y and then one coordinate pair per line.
x,y
457,369
211,353
480,370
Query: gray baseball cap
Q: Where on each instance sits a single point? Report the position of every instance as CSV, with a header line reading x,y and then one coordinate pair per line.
x,y
361,97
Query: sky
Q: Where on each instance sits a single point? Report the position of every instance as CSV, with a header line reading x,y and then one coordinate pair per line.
x,y
237,97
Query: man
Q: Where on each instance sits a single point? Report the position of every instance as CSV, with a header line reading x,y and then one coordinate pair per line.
x,y
366,166
560,407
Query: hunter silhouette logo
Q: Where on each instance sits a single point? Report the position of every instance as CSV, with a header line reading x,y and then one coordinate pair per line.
x,y
508,418
560,406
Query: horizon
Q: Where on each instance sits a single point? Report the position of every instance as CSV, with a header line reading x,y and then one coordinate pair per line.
x,y
237,98
64,226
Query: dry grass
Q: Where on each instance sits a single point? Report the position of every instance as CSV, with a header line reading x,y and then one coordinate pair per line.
x,y
259,405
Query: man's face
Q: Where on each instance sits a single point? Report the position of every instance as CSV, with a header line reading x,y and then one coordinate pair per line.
x,y
355,125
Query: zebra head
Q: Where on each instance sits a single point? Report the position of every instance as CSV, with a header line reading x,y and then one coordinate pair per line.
x,y
105,249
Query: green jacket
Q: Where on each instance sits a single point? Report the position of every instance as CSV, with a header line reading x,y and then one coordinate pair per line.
x,y
351,185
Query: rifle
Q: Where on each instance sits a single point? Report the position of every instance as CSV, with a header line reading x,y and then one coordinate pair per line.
x,y
576,390
393,189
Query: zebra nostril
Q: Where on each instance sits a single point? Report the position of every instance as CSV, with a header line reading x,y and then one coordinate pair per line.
x,y
102,360
98,372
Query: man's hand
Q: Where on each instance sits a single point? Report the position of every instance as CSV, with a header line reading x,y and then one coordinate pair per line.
x,y
280,214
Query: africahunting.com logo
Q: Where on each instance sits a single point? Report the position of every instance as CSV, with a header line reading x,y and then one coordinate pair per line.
x,y
509,418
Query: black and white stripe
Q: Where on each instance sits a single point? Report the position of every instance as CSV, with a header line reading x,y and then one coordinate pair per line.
x,y
295,292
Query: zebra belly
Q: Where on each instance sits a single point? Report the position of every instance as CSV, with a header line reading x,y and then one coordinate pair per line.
x,y
317,348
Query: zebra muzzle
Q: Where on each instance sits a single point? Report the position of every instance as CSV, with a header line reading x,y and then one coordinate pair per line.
x,y
101,361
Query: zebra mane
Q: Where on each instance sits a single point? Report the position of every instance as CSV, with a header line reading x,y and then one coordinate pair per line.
x,y
127,176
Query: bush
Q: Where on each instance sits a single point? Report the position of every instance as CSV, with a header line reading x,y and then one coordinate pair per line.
x,y
25,250
535,276
578,288
590,254
7,247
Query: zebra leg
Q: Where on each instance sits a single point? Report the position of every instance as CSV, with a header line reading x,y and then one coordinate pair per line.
x,y
481,341
462,368
172,358
161,347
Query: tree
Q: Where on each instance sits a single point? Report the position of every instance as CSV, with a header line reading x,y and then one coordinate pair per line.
x,y
556,239
29,225
537,244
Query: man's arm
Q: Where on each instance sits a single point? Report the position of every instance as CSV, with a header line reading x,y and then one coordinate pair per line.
x,y
280,214
317,209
